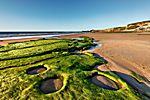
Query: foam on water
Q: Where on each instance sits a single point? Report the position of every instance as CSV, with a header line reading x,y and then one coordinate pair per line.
x,y
34,36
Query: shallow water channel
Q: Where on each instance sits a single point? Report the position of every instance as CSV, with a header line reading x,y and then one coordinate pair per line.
x,y
94,47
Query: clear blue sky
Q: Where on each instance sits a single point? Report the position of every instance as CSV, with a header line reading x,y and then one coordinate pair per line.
x,y
70,14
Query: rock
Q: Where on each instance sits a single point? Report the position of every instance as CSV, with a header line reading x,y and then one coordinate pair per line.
x,y
105,82
36,70
139,86
51,85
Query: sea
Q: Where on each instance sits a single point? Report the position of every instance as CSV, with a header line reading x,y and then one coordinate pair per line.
x,y
23,35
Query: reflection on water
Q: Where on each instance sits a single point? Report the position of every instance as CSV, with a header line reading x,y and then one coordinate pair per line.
x,y
94,47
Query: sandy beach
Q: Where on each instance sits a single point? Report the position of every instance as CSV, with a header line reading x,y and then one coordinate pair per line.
x,y
127,54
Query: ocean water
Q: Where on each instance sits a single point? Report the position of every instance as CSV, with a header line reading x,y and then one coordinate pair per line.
x,y
23,35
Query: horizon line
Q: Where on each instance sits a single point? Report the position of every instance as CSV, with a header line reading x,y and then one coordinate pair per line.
x,y
42,30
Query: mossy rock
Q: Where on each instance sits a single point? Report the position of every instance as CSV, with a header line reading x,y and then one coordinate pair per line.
x,y
51,85
105,82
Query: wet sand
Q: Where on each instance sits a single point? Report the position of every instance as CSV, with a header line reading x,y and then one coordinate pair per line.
x,y
125,52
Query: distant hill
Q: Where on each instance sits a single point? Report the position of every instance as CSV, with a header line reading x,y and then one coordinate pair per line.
x,y
143,26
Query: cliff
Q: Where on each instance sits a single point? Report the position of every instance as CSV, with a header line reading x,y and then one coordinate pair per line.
x,y
143,26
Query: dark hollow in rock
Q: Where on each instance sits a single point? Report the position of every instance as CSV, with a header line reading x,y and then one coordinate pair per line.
x,y
98,56
105,82
92,74
51,85
36,70
81,54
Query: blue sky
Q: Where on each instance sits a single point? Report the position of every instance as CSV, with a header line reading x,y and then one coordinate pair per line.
x,y
66,15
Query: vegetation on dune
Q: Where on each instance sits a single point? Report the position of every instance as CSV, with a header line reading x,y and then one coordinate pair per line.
x,y
132,27
59,61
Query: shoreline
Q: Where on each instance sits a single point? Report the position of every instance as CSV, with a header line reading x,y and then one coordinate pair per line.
x,y
27,38
34,36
